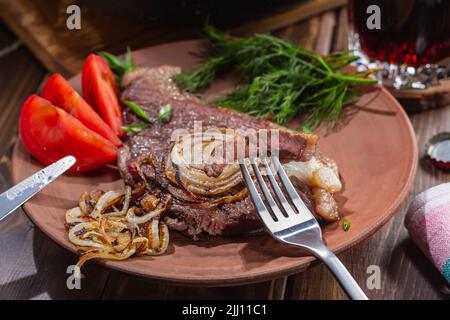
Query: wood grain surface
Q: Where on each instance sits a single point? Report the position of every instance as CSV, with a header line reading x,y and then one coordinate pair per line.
x,y
33,267
114,25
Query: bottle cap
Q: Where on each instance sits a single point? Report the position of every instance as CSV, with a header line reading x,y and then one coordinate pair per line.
x,y
438,150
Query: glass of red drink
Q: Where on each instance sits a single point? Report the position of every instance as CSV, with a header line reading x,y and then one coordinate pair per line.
x,y
408,39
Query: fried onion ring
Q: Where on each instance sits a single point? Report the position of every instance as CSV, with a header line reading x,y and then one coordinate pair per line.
x,y
99,230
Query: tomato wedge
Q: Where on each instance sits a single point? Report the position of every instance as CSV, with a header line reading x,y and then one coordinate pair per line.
x,y
100,90
60,93
50,133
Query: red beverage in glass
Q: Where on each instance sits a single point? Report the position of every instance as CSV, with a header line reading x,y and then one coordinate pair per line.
x,y
413,32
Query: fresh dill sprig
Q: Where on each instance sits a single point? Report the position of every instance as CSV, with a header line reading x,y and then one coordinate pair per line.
x,y
278,79
200,78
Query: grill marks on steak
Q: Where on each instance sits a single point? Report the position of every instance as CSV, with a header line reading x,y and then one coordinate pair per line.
x,y
153,88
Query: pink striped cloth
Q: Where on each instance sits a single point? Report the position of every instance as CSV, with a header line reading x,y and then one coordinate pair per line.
x,y
428,224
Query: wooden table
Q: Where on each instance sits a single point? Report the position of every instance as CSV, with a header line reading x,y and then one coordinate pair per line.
x,y
34,267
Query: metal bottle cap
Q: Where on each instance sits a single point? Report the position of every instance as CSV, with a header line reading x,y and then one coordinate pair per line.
x,y
438,150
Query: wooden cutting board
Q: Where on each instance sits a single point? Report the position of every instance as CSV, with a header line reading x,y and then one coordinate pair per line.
x,y
114,25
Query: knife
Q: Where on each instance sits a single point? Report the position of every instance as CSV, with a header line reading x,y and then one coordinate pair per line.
x,y
12,198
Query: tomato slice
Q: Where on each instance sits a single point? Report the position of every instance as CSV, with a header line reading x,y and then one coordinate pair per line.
x,y
59,92
100,90
50,133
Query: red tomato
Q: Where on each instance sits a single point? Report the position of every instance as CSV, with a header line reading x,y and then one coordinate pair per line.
x,y
59,92
50,133
100,90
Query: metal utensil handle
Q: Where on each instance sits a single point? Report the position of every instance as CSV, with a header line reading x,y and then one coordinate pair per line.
x,y
340,272
14,197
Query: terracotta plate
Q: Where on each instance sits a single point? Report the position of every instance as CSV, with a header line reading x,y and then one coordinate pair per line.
x,y
376,153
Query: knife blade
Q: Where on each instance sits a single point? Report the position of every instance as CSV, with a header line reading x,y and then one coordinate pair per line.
x,y
14,197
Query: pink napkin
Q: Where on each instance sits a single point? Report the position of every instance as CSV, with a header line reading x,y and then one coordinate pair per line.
x,y
428,224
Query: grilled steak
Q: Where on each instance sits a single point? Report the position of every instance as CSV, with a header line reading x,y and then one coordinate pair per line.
x,y
145,155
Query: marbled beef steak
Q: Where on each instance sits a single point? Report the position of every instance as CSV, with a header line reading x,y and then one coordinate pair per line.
x,y
153,88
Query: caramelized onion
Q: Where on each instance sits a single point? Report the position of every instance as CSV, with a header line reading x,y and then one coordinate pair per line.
x,y
98,254
154,230
76,232
126,202
164,237
193,153
107,233
74,215
84,204
159,231
106,200
140,219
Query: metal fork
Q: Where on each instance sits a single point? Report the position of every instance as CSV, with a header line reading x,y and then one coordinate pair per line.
x,y
297,226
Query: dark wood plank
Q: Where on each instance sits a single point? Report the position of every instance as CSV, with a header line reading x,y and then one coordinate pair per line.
x,y
303,33
277,289
122,286
326,32
42,26
294,15
341,36
19,77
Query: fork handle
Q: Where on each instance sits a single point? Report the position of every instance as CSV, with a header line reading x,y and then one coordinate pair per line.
x,y
340,272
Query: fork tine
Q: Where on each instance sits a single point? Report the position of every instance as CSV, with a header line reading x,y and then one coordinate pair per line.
x,y
256,198
299,229
287,207
265,189
295,198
